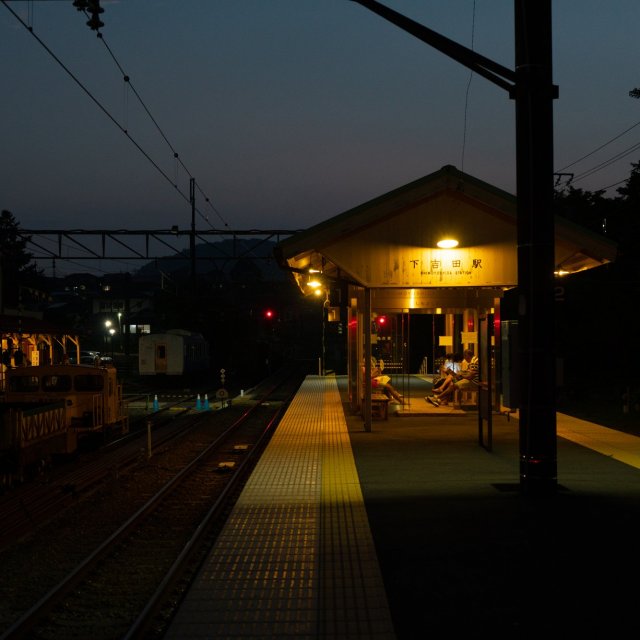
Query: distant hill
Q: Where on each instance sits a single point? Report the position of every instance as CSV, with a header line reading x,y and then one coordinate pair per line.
x,y
225,260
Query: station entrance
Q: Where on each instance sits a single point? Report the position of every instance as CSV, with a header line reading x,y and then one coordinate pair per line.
x,y
410,334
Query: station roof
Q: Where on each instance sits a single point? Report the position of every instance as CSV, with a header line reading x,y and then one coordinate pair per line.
x,y
391,241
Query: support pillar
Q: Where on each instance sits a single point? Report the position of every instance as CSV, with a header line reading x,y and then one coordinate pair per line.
x,y
534,95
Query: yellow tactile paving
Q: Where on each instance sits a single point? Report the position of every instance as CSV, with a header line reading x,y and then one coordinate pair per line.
x,y
610,442
296,558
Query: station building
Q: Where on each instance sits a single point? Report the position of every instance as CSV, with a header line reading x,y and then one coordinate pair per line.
x,y
35,340
423,270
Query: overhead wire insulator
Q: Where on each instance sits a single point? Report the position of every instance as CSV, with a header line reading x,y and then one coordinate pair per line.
x,y
94,8
95,23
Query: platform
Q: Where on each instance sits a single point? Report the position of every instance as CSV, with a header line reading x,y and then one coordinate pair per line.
x,y
296,558
413,530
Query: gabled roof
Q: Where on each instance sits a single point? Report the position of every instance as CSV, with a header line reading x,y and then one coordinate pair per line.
x,y
390,241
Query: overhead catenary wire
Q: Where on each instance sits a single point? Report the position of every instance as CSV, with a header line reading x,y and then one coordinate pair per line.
x,y
466,98
602,146
111,117
615,184
176,155
605,163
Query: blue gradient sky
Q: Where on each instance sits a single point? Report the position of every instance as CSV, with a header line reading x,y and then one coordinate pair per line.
x,y
286,112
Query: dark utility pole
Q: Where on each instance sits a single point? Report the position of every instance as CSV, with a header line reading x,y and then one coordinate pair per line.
x,y
536,245
532,88
192,237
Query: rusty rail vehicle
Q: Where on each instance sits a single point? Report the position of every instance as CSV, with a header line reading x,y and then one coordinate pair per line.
x,y
47,410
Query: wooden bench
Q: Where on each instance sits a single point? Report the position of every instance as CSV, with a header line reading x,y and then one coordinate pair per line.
x,y
379,406
465,398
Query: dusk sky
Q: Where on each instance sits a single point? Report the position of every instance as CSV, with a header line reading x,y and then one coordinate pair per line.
x,y
286,112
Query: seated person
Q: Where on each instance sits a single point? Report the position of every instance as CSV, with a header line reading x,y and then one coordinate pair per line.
x,y
382,382
469,376
450,367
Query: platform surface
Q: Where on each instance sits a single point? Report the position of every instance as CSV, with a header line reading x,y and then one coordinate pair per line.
x,y
412,530
296,558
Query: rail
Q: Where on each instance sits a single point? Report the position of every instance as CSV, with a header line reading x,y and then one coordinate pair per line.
x,y
268,406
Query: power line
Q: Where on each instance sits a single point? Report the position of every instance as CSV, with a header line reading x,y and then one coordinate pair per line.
x,y
615,184
602,146
176,155
107,113
466,98
607,163
602,165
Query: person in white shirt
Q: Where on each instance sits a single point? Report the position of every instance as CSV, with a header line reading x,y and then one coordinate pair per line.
x,y
451,367
468,376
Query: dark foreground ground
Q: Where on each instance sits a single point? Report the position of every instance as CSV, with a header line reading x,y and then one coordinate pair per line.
x,y
463,551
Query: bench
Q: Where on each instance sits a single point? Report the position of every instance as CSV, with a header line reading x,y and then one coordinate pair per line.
x,y
465,397
379,406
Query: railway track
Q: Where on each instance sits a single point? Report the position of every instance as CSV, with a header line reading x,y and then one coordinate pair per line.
x,y
24,507
114,565
28,506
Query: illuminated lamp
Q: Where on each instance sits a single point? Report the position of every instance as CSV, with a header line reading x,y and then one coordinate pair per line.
x,y
447,243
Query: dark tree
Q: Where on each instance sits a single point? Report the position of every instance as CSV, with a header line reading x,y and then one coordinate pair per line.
x,y
597,313
20,279
586,208
616,218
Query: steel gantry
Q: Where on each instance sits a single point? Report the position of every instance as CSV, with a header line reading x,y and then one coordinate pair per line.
x,y
143,244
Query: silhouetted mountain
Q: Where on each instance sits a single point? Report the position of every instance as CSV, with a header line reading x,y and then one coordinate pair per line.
x,y
234,259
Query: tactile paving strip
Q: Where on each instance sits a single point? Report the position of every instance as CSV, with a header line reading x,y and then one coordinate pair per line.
x,y
296,558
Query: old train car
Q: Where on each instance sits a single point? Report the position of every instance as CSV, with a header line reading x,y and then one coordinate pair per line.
x,y
31,435
174,353
48,409
92,394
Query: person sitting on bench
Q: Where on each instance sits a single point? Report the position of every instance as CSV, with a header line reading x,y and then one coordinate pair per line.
x,y
382,382
468,378
449,369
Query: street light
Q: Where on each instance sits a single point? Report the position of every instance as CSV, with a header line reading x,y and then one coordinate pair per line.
x,y
111,332
107,325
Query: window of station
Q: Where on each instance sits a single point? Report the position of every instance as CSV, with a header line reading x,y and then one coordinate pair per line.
x,y
56,383
88,383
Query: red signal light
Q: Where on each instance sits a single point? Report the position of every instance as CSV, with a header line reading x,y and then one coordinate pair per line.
x,y
269,314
